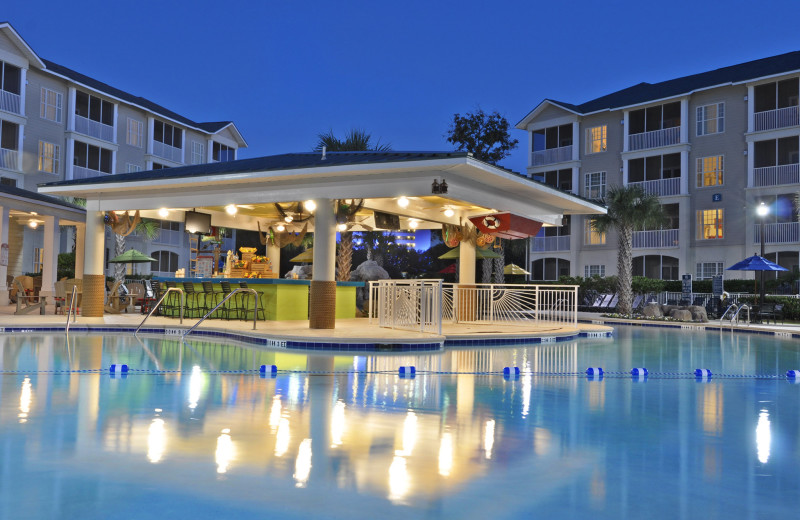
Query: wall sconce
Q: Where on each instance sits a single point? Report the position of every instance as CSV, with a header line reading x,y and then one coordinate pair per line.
x,y
438,188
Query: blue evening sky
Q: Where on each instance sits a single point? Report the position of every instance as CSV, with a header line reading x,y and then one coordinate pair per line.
x,y
285,71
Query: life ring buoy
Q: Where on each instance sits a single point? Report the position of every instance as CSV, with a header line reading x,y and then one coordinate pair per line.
x,y
491,222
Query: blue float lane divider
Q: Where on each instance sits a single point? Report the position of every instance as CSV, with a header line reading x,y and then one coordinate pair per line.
x,y
702,374
268,371
793,375
639,374
594,374
511,373
407,371
118,369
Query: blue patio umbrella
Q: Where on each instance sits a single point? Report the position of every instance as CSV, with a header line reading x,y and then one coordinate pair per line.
x,y
756,263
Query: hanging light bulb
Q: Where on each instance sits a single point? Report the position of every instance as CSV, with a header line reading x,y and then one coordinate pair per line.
x,y
280,227
163,213
413,224
33,224
310,205
449,212
402,202
341,227
231,209
288,219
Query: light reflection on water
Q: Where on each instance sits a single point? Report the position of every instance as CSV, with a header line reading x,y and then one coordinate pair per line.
x,y
439,446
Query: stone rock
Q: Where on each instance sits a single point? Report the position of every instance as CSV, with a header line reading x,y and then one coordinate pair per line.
x,y
652,310
303,272
367,271
698,313
667,309
680,315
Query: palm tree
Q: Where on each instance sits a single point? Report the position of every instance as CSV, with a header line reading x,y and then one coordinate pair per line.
x,y
146,228
629,209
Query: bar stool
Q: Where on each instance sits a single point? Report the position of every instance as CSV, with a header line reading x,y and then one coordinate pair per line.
x,y
192,301
210,297
230,305
245,306
172,303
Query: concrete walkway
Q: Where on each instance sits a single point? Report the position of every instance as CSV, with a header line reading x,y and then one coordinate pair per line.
x,y
776,328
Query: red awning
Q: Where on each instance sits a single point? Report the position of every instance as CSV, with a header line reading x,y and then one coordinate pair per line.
x,y
507,225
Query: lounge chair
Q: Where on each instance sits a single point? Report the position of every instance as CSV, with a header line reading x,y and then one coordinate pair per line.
x,y
26,301
118,299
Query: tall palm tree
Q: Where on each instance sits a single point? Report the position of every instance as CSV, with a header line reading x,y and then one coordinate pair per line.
x,y
146,228
629,209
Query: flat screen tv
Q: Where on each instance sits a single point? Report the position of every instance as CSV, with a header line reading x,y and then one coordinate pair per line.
x,y
386,221
197,223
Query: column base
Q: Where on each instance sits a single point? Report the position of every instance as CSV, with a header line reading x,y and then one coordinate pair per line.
x,y
93,295
322,307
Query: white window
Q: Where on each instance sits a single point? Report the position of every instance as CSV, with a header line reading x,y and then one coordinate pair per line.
x,y
198,152
709,224
592,237
49,157
135,133
131,168
38,259
594,270
595,185
707,270
709,171
711,119
51,105
596,139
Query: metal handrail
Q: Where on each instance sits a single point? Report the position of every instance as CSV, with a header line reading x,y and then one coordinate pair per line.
x,y
732,307
744,307
226,298
71,308
170,289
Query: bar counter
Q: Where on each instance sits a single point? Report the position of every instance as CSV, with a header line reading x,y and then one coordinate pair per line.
x,y
284,299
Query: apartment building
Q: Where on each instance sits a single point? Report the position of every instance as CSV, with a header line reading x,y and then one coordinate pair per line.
x,y
58,124
713,146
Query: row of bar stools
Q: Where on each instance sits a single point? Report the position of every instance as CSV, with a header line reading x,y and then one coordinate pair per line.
x,y
211,298
245,303
193,309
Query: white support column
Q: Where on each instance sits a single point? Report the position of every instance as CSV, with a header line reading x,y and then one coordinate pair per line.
x,y
116,115
625,172
150,128
684,173
52,239
4,222
322,311
530,148
235,153
71,110
22,89
466,263
20,166
576,180
685,120
751,157
80,253
274,255
209,150
183,146
625,130
93,290
751,103
576,141
69,166
113,162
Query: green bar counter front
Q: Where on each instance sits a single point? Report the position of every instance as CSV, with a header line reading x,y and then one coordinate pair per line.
x,y
284,299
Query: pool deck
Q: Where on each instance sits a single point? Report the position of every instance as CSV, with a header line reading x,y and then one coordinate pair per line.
x,y
347,331
779,329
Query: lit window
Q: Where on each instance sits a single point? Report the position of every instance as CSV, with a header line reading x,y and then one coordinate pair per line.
x,y
38,259
596,139
594,270
198,153
711,119
592,237
709,171
135,133
51,105
49,157
595,186
707,270
709,224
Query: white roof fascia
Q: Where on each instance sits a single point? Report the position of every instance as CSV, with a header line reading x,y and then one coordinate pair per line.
x,y
523,123
22,44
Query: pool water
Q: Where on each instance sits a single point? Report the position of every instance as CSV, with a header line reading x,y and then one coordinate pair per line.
x,y
195,432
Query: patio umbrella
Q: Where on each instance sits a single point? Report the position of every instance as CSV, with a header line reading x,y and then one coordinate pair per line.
x,y
450,269
756,263
131,256
514,269
479,254
305,256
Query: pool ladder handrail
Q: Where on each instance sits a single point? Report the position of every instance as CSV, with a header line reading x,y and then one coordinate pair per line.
x,y
734,310
169,290
226,298
743,307
71,309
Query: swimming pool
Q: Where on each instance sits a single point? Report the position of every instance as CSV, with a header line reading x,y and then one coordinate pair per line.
x,y
195,432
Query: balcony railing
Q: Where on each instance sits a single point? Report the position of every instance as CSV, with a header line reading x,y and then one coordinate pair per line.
x,y
93,128
170,237
660,187
661,238
778,233
166,151
776,175
548,244
79,172
551,156
654,139
9,159
10,102
779,118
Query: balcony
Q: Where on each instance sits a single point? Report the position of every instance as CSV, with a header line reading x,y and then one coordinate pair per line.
x,y
654,139
779,118
660,187
167,152
79,172
9,159
550,244
778,233
661,238
551,156
92,128
10,102
776,175
170,237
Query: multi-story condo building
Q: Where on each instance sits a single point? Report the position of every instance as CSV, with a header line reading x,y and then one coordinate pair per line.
x,y
713,146
58,124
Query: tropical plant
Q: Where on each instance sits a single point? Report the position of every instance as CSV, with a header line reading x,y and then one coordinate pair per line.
x,y
483,135
355,140
630,209
147,229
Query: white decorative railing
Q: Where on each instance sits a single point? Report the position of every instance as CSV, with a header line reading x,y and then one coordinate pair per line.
x,y
778,118
655,138
407,304
660,238
93,128
551,156
9,159
10,102
547,244
660,187
778,233
776,175
166,151
79,172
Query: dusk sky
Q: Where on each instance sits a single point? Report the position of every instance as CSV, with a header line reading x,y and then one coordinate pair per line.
x,y
285,71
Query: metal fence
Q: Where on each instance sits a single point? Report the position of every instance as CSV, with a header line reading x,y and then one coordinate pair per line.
x,y
407,304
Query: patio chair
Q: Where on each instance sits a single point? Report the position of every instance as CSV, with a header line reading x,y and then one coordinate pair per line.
x,y
613,303
137,292
26,301
60,298
637,301
118,299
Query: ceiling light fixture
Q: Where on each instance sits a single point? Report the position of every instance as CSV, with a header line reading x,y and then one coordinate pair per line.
x,y
33,224
310,205
341,227
231,209
288,219
413,224
280,227
449,212
402,202
163,213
